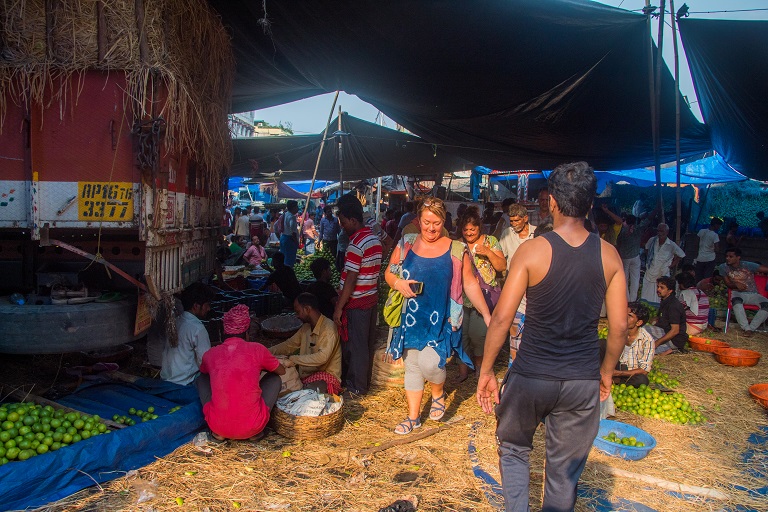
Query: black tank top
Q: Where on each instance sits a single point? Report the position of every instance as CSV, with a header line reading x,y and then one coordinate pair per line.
x,y
560,334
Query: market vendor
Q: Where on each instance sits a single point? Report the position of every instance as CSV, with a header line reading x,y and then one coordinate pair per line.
x,y
670,330
637,357
236,400
284,278
182,357
314,349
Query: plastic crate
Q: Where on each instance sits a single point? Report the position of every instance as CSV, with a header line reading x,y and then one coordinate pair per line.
x,y
257,284
274,303
623,430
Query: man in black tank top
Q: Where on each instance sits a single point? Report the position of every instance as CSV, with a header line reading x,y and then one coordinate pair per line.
x,y
557,375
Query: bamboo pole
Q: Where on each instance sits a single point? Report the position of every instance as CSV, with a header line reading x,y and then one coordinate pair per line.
x,y
677,120
657,106
341,159
664,484
320,154
651,87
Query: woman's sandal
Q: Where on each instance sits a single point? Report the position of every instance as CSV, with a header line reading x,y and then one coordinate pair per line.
x,y
407,425
437,411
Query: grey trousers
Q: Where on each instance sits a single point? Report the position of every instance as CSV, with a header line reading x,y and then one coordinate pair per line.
x,y
572,413
738,299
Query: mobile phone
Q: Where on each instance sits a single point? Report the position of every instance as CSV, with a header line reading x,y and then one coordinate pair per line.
x,y
417,287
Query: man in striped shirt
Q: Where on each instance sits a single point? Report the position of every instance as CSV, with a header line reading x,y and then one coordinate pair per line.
x,y
355,312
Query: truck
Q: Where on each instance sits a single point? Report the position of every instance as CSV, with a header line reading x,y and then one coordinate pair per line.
x,y
114,146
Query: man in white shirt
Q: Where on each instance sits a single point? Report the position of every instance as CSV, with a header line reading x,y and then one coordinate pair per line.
x,y
512,237
709,243
243,225
182,359
518,231
663,255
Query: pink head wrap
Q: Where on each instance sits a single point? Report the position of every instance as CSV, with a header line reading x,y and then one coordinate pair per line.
x,y
236,320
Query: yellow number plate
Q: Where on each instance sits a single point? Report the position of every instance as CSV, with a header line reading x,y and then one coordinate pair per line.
x,y
104,201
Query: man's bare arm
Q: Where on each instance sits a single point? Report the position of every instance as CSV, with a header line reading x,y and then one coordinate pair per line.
x,y
616,309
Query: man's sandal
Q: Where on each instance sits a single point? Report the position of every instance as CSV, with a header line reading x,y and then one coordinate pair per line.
x,y
437,411
407,425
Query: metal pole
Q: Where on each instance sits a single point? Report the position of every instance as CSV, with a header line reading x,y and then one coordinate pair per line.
x,y
677,119
657,107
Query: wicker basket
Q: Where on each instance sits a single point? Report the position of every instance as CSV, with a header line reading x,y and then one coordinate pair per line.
x,y
307,427
280,326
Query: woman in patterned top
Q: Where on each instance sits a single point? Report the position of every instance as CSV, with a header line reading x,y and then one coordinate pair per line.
x,y
488,258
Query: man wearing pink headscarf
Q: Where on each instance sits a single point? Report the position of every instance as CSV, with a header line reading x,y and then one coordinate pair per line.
x,y
236,401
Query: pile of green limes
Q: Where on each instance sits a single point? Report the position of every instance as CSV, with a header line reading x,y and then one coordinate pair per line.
x,y
658,377
147,415
652,403
626,441
28,429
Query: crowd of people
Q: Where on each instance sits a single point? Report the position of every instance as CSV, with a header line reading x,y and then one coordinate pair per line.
x,y
536,280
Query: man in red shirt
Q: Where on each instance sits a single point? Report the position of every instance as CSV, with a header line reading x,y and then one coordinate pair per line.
x,y
236,403
357,304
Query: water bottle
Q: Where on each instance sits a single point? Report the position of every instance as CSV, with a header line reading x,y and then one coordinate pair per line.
x,y
16,298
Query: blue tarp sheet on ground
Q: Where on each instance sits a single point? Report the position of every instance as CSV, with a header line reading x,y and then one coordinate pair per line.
x,y
55,475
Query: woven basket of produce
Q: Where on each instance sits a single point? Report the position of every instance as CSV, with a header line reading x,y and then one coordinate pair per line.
x,y
294,426
280,326
387,375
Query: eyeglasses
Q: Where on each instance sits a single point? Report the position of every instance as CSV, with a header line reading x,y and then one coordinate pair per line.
x,y
516,220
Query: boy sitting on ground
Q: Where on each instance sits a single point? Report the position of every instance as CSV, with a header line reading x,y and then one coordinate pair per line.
x,y
636,358
317,342
669,331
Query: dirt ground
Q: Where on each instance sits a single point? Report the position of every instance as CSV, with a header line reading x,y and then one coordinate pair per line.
x,y
332,474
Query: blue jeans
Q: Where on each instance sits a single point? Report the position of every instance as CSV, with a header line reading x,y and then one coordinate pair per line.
x,y
572,412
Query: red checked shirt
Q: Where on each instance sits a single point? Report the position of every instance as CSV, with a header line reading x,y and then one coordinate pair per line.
x,y
364,257
236,409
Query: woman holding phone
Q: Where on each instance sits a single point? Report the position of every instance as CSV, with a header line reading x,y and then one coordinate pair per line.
x,y
439,269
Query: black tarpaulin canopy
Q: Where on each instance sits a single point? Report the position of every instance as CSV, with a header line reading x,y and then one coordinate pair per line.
x,y
368,150
729,65
504,83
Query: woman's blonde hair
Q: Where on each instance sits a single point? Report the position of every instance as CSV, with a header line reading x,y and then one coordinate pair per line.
x,y
432,204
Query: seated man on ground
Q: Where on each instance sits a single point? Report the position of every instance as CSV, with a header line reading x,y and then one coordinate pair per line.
x,y
284,278
236,400
322,288
740,278
314,349
182,356
695,302
669,332
636,358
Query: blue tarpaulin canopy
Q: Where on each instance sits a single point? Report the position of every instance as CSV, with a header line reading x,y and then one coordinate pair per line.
x,y
704,171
